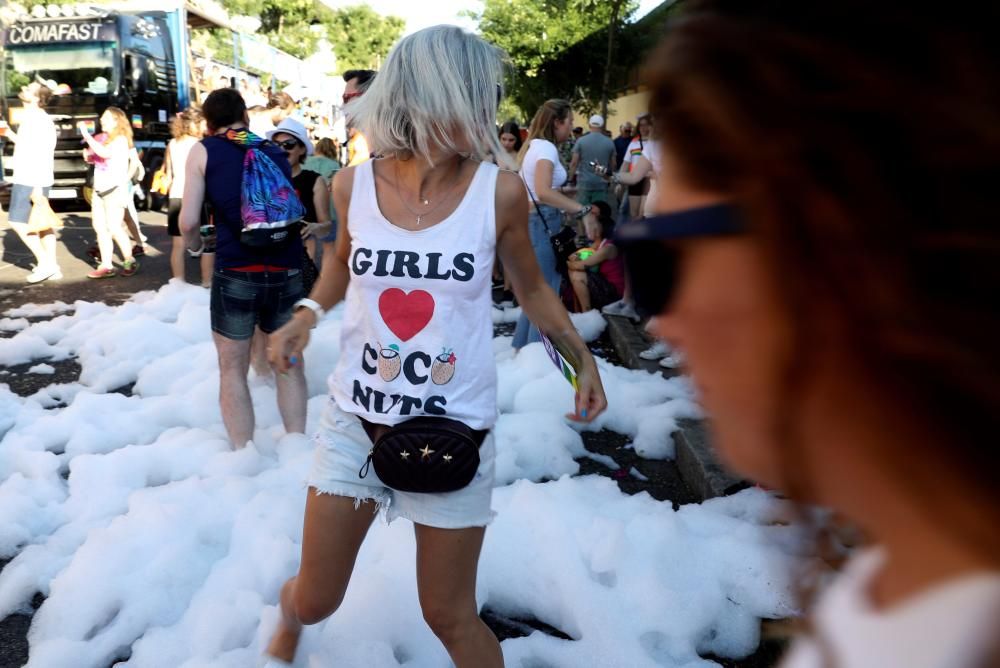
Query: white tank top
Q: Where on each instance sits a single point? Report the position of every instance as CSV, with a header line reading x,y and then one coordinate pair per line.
x,y
417,335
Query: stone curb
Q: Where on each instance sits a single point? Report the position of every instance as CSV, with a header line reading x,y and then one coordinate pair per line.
x,y
699,468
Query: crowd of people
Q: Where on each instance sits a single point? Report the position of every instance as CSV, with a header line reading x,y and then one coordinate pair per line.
x,y
840,327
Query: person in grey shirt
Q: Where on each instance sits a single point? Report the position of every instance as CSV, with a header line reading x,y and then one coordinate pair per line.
x,y
593,147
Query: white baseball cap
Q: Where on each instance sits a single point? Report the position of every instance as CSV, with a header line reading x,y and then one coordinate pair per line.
x,y
290,126
597,121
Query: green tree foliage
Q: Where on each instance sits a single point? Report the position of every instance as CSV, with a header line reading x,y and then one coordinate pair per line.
x,y
361,37
536,33
287,24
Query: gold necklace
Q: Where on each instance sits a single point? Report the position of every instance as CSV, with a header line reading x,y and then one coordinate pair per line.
x,y
424,200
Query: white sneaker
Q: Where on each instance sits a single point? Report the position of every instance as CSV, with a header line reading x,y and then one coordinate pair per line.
x,y
628,311
656,351
614,308
673,361
44,273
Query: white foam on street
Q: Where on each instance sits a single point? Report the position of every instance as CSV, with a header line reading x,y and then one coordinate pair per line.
x,y
166,543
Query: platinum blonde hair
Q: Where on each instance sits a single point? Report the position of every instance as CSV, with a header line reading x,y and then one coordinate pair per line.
x,y
439,88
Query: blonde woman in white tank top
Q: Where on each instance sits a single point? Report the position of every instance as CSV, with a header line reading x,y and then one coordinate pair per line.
x,y
418,231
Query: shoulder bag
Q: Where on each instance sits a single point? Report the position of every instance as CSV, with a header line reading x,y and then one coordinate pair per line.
x,y
563,242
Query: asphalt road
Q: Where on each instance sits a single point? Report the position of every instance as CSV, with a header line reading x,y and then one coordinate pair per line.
x,y
78,236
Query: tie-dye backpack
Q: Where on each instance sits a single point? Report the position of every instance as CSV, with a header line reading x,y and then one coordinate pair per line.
x,y
269,207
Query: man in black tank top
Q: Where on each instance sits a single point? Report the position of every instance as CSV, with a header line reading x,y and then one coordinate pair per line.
x,y
252,286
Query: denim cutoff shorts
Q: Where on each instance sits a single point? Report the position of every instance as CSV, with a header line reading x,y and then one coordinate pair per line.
x,y
342,446
19,209
242,299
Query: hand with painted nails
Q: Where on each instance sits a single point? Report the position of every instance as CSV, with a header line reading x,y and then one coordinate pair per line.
x,y
285,346
590,398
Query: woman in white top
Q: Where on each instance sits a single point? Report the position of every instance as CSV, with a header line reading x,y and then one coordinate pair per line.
x,y
638,190
110,190
543,174
34,150
418,231
827,260
187,128
643,166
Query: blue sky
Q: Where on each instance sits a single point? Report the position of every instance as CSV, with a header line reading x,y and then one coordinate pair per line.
x,y
422,14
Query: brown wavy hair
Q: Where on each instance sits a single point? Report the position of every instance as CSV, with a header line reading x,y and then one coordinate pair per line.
x,y
187,123
122,126
543,124
861,141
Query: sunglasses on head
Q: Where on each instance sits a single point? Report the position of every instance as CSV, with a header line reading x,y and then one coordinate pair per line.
x,y
653,264
289,144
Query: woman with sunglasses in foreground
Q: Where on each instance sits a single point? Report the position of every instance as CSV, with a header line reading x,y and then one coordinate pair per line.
x,y
827,257
418,233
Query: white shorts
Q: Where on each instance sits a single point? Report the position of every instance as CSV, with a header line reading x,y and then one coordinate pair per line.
x,y
341,451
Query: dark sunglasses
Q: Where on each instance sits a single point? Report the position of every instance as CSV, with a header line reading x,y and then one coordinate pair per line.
x,y
289,144
653,265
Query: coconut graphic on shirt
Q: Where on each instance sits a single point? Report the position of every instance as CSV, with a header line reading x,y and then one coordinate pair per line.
x,y
389,363
443,368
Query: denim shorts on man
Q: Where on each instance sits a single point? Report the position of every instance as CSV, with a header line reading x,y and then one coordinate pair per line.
x,y
19,209
243,299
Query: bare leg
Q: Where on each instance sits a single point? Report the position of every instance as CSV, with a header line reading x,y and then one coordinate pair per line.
x,y
292,397
177,258
635,207
116,224
447,560
105,243
258,354
30,240
333,533
48,240
579,281
207,262
132,223
234,394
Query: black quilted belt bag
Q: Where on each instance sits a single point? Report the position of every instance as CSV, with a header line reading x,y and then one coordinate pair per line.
x,y
424,454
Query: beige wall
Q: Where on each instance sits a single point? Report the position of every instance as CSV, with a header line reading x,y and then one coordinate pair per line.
x,y
625,108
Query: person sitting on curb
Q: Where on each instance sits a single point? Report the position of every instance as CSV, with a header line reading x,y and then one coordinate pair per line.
x,y
596,273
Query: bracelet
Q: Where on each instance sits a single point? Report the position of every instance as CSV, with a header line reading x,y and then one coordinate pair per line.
x,y
581,213
313,306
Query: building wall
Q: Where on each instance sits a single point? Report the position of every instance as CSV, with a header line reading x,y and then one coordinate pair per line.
x,y
625,108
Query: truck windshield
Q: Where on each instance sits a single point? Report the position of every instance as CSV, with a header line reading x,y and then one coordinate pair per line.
x,y
75,68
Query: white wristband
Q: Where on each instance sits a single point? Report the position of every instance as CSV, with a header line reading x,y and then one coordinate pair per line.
x,y
313,306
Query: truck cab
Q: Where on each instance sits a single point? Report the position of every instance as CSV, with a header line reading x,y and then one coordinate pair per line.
x,y
92,59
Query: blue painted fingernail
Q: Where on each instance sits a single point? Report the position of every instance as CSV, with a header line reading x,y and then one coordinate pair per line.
x,y
293,360
583,413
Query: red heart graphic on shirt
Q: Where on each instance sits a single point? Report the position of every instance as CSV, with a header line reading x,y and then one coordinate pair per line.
x,y
405,314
